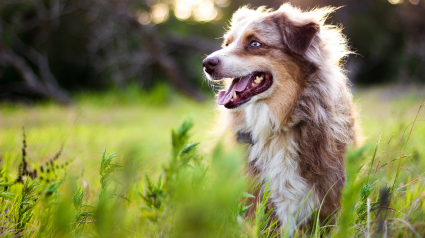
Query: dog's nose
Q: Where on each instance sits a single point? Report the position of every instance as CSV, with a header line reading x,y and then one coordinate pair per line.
x,y
210,63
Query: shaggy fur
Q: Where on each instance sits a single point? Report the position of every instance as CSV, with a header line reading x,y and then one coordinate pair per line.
x,y
304,122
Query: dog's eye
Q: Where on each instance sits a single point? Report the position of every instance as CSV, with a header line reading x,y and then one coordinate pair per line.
x,y
255,44
227,44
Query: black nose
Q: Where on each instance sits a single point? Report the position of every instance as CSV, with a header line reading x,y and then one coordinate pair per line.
x,y
209,64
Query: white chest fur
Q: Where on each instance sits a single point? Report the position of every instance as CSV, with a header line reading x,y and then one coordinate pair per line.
x,y
274,155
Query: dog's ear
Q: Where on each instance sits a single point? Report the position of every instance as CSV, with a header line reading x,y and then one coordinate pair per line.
x,y
297,37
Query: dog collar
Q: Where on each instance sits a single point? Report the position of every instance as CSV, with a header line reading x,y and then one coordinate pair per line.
x,y
245,137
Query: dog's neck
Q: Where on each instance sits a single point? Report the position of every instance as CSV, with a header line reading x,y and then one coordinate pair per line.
x,y
245,137
259,124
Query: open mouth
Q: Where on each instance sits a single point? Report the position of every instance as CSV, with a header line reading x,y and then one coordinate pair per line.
x,y
244,88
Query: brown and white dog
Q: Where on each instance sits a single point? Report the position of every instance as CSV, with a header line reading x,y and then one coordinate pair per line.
x,y
286,95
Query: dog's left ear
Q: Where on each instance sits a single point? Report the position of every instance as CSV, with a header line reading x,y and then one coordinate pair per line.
x,y
298,38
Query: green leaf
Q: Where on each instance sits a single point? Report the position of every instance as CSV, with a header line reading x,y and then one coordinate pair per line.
x,y
247,195
188,148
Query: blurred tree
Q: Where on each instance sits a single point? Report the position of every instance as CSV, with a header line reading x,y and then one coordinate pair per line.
x,y
388,37
51,47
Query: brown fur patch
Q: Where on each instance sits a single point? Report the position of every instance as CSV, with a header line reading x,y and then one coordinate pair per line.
x,y
299,38
321,153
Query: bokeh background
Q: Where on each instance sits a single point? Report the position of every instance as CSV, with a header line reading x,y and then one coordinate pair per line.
x,y
54,48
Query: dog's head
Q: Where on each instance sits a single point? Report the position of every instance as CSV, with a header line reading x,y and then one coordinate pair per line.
x,y
263,56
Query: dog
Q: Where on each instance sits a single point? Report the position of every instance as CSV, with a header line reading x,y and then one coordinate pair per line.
x,y
286,97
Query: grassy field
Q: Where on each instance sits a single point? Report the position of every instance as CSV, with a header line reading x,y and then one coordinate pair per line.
x,y
193,190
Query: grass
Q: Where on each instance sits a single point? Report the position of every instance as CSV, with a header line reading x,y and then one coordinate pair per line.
x,y
57,180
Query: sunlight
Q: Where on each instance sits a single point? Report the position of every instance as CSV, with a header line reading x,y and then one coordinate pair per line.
x,y
183,9
159,13
144,18
205,11
182,14
222,3
201,10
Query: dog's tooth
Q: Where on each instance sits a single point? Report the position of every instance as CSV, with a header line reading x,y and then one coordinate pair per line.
x,y
253,85
234,95
231,100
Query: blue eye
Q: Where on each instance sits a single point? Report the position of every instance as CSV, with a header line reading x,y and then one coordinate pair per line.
x,y
255,44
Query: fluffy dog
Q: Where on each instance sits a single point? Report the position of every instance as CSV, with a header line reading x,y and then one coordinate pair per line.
x,y
287,98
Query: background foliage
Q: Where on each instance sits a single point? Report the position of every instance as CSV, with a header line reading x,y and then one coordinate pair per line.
x,y
49,48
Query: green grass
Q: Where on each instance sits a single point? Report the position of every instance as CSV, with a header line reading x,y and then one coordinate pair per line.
x,y
164,184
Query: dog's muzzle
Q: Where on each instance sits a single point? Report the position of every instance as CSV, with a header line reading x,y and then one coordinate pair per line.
x,y
210,63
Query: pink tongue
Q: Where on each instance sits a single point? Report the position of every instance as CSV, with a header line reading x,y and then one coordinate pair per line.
x,y
224,96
